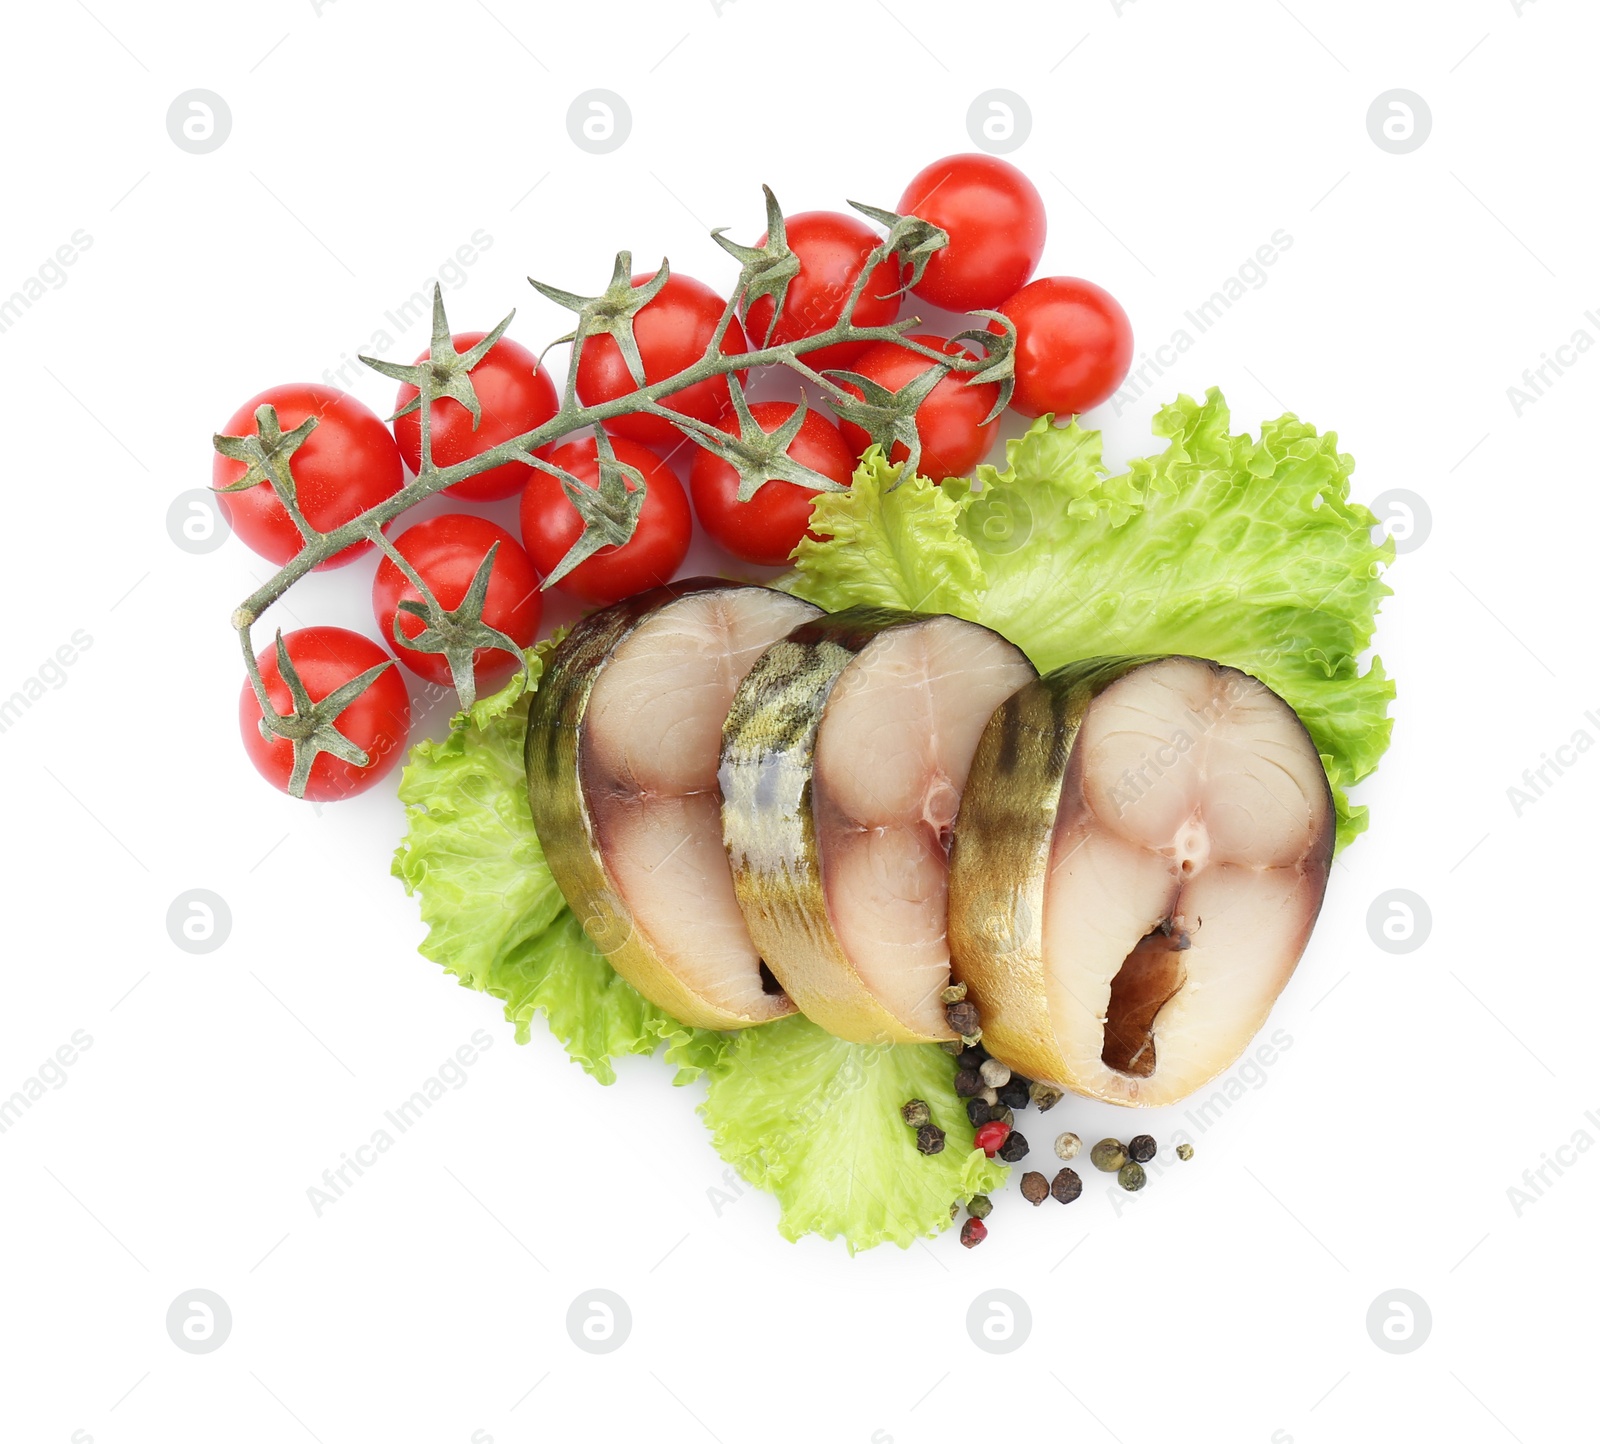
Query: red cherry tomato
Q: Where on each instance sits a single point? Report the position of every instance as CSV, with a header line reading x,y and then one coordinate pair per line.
x,y
347,464
996,224
950,421
516,394
832,248
551,524
767,528
672,332
446,552
1074,346
378,721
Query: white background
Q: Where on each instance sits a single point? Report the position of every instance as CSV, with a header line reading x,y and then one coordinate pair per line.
x,y
1229,1300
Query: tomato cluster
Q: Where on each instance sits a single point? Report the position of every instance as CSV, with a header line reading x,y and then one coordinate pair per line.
x,y
1073,348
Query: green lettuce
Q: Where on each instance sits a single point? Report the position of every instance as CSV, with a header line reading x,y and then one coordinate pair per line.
x,y
495,917
816,1122
1248,551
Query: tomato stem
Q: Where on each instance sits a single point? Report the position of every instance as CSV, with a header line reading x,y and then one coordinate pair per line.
x,y
764,271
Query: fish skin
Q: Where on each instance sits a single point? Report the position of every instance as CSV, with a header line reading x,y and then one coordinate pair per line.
x,y
1000,857
768,752
553,758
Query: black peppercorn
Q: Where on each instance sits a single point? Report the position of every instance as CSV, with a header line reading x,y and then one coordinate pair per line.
x,y
1015,1093
1141,1148
1035,1188
1014,1149
962,1018
973,1058
977,1112
969,1083
930,1138
1066,1186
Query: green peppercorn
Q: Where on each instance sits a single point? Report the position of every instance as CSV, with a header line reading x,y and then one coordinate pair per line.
x,y
1108,1155
955,993
915,1112
1067,1145
1141,1148
1131,1177
972,1039
1186,1151
1066,1186
1045,1096
1014,1149
930,1138
999,1113
979,1205
953,1046
1035,1188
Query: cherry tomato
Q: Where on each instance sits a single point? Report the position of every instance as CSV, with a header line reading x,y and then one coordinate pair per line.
x,y
672,332
516,394
1074,345
996,224
551,524
378,721
446,552
950,421
767,528
347,464
832,248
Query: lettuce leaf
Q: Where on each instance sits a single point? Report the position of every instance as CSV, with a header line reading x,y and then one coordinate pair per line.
x,y
1245,550
496,918
816,1122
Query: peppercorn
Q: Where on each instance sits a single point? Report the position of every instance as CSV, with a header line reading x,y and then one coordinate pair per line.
x,y
973,1232
969,1083
999,1113
990,1137
930,1138
972,1039
989,1096
1014,1149
1035,1188
1065,1186
974,1057
995,1073
1108,1155
953,1046
977,1112
1045,1096
1015,1093
978,1205
1131,1177
962,1017
1141,1148
915,1112
954,993
1186,1151
955,1208
1067,1145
